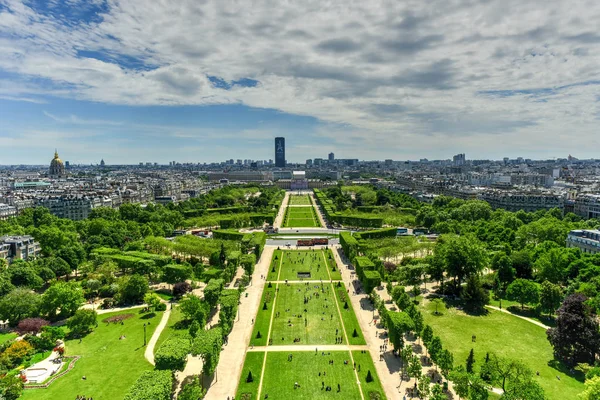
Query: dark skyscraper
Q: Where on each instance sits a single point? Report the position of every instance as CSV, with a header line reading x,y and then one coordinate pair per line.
x,y
331,157
280,152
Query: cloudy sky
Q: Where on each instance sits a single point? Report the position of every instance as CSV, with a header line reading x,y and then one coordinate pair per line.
x,y
191,80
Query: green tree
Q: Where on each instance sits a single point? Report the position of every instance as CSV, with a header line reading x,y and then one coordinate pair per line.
x,y
462,256
424,388
551,297
427,335
11,387
503,265
133,289
437,393
414,367
524,292
192,390
194,328
193,308
152,300
59,266
470,361
474,295
82,322
65,297
19,304
435,348
592,389
445,361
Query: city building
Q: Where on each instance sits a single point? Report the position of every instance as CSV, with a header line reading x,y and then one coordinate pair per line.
x,y
587,206
331,157
280,152
587,240
57,168
459,160
7,211
19,248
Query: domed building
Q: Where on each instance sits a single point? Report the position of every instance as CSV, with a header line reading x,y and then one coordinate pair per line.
x,y
57,167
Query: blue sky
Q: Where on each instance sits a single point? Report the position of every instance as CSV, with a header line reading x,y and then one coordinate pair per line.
x,y
133,81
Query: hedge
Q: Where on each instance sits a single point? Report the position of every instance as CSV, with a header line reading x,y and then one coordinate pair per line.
x,y
227,234
152,385
247,262
229,302
212,291
349,244
172,354
227,210
371,279
376,234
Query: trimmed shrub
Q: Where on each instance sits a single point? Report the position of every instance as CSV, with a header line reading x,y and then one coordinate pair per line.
x,y
249,378
369,377
152,385
31,325
172,354
355,333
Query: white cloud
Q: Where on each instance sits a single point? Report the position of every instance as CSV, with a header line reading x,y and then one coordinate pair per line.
x,y
393,74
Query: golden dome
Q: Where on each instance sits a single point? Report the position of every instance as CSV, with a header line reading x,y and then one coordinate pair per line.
x,y
57,167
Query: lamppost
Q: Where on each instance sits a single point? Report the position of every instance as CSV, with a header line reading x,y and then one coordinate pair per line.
x,y
144,334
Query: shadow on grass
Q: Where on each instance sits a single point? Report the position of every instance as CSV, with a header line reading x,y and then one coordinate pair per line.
x,y
148,316
531,313
561,367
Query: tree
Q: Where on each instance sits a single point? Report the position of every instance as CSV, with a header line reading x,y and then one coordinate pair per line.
x,y
82,322
414,367
523,291
503,265
437,393
516,379
65,297
445,361
59,266
11,387
576,338
19,304
474,295
133,289
398,324
172,354
462,256
212,291
192,390
550,297
194,328
418,322
181,288
424,388
194,309
31,325
435,348
369,377
439,304
397,291
152,300
174,273
592,389
470,361
427,335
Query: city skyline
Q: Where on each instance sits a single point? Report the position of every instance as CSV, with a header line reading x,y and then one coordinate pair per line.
x,y
368,81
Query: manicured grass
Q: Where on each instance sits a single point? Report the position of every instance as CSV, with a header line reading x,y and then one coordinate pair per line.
x,y
164,294
322,318
110,365
307,368
507,336
337,274
366,364
302,200
308,261
515,308
5,337
348,316
301,217
253,363
275,265
263,317
173,327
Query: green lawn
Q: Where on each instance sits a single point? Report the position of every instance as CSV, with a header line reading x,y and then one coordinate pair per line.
x,y
299,200
301,217
263,317
348,316
366,364
164,294
275,265
334,270
528,312
311,371
322,318
5,337
301,261
253,363
110,365
172,327
507,336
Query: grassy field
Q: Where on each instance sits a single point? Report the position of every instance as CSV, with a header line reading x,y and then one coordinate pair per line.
x,y
507,336
299,200
263,317
366,364
110,365
301,217
303,261
253,363
5,337
528,312
172,328
312,372
348,316
322,318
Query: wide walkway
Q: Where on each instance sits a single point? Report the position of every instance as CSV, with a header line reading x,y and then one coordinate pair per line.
x,y
149,352
281,213
233,356
310,347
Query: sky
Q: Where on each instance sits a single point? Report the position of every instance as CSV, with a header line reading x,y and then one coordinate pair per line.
x,y
133,81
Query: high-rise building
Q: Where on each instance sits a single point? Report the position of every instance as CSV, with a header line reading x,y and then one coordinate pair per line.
x,y
459,160
331,157
280,152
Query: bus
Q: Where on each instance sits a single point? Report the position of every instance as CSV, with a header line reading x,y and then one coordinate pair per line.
x,y
401,231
